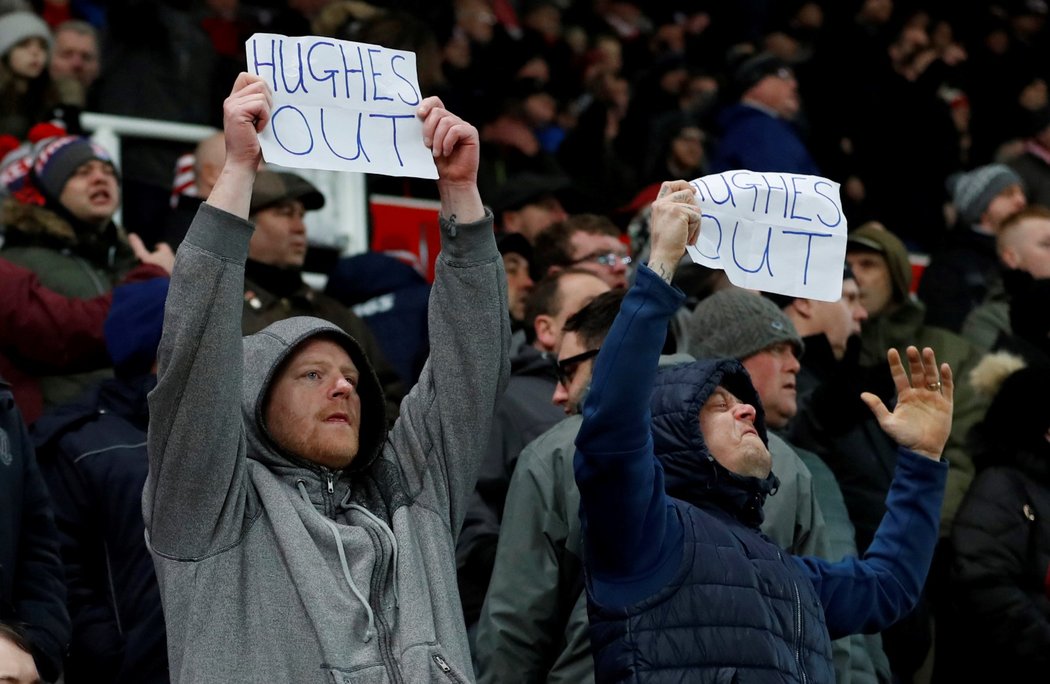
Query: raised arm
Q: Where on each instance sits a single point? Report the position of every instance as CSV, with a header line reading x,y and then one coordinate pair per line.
x,y
629,526
193,500
872,593
444,425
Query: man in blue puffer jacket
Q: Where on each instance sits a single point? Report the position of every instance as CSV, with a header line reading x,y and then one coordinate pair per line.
x,y
681,584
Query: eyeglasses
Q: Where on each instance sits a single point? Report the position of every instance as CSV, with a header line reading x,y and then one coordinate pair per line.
x,y
609,260
566,368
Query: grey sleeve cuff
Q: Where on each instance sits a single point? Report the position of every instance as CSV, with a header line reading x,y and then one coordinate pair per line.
x,y
468,242
220,233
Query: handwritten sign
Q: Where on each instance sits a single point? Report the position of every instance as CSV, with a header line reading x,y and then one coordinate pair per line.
x,y
776,232
341,106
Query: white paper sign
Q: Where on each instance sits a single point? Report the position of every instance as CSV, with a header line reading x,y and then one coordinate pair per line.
x,y
341,106
775,232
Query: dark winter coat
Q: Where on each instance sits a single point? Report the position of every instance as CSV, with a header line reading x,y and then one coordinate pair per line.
x,y
93,454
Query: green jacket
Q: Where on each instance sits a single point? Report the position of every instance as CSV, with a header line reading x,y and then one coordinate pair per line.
x,y
533,624
71,263
904,326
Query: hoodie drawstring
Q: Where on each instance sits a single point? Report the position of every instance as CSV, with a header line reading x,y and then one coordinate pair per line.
x,y
390,535
346,568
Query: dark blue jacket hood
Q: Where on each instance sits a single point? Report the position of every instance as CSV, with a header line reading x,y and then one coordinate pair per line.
x,y
691,473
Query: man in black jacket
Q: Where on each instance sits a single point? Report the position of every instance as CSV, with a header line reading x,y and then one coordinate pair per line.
x,y
31,588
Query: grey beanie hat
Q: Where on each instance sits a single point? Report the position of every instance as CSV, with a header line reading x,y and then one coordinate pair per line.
x,y
735,323
973,191
17,26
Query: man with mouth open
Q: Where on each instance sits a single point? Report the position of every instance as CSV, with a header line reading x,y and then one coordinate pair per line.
x,y
295,539
673,468
58,223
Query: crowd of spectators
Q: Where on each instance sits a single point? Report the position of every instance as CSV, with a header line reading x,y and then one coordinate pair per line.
x,y
933,116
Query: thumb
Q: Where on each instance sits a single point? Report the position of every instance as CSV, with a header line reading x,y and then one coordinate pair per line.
x,y
876,406
138,246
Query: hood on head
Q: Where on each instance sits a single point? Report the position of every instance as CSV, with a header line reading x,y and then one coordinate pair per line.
x,y
875,237
264,355
691,473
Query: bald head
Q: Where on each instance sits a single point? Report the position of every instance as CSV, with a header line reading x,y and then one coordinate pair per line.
x,y
209,158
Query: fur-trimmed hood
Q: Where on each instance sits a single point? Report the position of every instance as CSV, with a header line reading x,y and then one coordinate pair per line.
x,y
30,225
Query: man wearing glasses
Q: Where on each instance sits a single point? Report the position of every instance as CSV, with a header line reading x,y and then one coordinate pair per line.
x,y
588,242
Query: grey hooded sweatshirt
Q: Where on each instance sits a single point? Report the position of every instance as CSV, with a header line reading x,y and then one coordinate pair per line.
x,y
274,569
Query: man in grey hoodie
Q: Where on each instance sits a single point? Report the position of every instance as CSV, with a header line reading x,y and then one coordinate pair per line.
x,y
294,539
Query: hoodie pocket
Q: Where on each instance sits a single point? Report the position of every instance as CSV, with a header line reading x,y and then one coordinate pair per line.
x,y
375,674
442,670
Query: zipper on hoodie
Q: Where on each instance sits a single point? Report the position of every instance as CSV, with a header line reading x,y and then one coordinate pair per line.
x,y
329,491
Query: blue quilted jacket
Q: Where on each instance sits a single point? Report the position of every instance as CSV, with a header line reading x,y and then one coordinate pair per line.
x,y
681,584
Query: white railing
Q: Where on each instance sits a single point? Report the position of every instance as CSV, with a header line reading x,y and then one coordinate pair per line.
x,y
342,223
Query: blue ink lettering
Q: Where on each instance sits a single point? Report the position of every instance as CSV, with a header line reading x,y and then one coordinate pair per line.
x,y
769,190
794,198
699,190
809,248
271,64
375,89
310,65
360,147
729,192
273,127
703,227
284,72
838,212
393,67
359,70
765,254
752,186
393,122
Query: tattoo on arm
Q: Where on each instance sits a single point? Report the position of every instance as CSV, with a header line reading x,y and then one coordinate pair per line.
x,y
664,271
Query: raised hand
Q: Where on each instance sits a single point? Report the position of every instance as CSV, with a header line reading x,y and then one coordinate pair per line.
x,y
161,256
675,223
245,113
453,141
922,418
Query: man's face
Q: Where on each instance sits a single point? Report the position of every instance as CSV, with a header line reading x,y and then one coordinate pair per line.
x,y
873,279
1005,204
841,319
568,393
519,284
76,56
92,193
575,291
773,372
313,410
779,92
728,427
280,235
1028,247
602,255
535,217
16,666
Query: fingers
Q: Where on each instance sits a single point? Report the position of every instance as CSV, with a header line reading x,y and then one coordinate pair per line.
x,y
876,405
900,378
931,372
668,187
947,382
428,104
916,369
138,247
244,79
443,131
